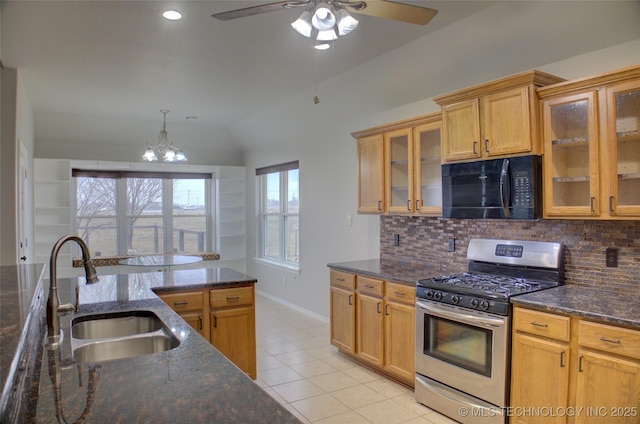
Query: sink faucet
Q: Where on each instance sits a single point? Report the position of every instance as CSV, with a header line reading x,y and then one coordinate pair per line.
x,y
54,308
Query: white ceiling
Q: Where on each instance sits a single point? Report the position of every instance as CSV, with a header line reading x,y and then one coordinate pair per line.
x,y
120,60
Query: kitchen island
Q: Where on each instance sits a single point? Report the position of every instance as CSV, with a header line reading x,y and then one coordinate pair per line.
x,y
192,382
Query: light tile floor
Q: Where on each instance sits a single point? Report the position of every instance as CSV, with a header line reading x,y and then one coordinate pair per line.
x,y
300,369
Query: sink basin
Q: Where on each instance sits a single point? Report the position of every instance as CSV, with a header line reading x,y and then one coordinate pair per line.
x,y
117,324
124,347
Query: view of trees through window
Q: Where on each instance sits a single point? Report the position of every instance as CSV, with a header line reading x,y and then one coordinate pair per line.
x,y
141,215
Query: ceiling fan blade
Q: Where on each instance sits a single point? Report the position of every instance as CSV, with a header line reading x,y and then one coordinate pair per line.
x,y
250,11
398,12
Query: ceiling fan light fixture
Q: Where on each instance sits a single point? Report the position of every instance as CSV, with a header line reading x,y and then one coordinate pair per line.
x,y
302,25
322,46
323,18
327,35
345,22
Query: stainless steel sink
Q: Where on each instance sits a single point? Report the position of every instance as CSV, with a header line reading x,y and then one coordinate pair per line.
x,y
118,335
124,347
117,324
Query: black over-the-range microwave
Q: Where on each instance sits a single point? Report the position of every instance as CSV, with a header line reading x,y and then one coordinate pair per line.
x,y
508,188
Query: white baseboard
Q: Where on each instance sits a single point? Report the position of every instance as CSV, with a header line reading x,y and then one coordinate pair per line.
x,y
293,306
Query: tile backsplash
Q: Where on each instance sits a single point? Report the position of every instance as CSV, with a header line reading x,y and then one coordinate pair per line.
x,y
425,240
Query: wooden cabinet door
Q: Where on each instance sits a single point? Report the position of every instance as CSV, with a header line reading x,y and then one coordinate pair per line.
x,y
370,329
427,172
461,131
371,174
343,319
399,339
623,148
233,334
399,195
608,389
195,320
539,377
571,157
506,123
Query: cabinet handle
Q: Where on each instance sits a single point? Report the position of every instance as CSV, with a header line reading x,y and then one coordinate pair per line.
x,y
580,364
339,279
215,321
417,205
397,293
233,297
378,308
379,205
593,201
486,146
180,303
475,150
386,309
200,318
539,325
610,203
604,339
350,300
368,286
409,204
562,364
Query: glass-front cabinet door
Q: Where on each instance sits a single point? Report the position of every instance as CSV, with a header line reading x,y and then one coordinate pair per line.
x,y
399,170
427,169
571,155
623,133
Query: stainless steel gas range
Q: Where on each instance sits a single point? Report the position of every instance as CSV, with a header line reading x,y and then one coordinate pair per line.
x,y
463,326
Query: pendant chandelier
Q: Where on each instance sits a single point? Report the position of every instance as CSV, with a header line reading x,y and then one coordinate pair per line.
x,y
163,146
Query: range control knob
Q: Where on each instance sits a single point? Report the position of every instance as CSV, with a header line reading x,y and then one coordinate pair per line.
x,y
437,295
455,299
474,303
484,305
430,294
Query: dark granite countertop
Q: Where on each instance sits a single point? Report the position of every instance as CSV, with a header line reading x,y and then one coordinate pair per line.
x,y
401,272
191,383
585,302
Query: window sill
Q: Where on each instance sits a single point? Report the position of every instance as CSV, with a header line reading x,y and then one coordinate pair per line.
x,y
277,265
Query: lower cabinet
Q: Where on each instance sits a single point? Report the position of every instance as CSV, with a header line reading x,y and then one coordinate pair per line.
x,y
225,317
233,326
373,322
566,363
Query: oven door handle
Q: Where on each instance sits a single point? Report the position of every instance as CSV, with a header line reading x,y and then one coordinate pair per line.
x,y
462,317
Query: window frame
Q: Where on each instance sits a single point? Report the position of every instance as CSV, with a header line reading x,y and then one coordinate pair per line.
x,y
283,215
167,213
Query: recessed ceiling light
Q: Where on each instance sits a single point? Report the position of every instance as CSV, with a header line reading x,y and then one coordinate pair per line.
x,y
172,15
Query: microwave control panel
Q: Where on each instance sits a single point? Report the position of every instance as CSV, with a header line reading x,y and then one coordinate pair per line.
x,y
523,193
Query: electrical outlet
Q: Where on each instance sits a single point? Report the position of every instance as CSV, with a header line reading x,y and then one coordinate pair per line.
x,y
396,239
612,257
452,245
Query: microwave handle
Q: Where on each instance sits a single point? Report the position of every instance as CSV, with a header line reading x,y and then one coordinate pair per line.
x,y
505,188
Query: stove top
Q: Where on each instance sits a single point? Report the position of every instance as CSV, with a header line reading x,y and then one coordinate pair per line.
x,y
498,269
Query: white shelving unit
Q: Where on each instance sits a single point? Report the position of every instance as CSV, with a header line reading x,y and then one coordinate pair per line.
x,y
231,220
52,208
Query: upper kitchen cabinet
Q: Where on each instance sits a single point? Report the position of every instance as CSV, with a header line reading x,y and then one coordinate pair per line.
x,y
591,139
495,119
407,175
371,174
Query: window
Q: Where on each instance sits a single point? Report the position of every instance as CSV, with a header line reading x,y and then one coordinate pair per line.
x,y
279,215
124,213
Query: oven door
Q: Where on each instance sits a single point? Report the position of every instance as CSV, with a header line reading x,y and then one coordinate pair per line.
x,y
463,349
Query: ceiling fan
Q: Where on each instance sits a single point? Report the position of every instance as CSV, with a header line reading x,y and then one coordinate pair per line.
x,y
379,8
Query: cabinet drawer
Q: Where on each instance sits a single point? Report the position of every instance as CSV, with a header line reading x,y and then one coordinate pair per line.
x,y
183,302
343,280
612,339
369,286
395,292
236,296
541,323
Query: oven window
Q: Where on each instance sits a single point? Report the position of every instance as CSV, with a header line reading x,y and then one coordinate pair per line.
x,y
459,344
